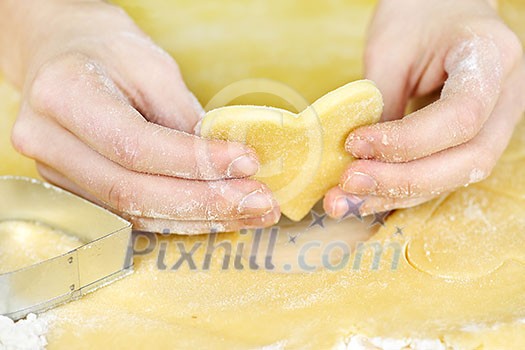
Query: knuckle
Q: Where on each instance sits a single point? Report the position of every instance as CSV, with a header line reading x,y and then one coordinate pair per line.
x,y
401,151
211,159
513,45
468,120
18,138
248,186
128,150
115,196
200,165
160,63
60,80
482,161
44,90
21,139
118,197
506,40
393,145
410,190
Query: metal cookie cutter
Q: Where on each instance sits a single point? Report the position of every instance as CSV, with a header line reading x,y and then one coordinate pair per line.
x,y
101,260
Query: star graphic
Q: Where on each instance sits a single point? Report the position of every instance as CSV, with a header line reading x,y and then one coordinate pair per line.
x,y
317,220
292,239
399,231
353,209
379,218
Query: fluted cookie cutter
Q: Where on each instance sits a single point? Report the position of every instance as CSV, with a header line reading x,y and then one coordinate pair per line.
x,y
101,259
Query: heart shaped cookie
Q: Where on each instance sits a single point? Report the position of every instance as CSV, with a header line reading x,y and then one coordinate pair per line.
x,y
302,155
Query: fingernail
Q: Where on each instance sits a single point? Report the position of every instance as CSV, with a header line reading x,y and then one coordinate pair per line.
x,y
266,220
339,207
360,183
256,203
244,165
359,148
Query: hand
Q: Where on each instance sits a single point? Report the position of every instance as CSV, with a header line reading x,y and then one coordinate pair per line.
x,y
415,47
106,114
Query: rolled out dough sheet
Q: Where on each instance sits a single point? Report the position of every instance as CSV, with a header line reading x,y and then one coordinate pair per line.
x,y
25,243
459,284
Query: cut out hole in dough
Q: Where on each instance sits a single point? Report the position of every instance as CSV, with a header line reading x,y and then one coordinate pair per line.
x,y
470,235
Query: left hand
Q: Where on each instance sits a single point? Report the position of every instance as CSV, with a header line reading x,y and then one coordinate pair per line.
x,y
415,48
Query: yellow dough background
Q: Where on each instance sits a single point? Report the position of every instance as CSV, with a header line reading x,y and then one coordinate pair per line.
x,y
461,279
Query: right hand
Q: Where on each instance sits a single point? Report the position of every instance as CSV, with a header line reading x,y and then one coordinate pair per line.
x,y
106,114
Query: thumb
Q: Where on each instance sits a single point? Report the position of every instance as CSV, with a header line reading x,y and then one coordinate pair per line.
x,y
389,70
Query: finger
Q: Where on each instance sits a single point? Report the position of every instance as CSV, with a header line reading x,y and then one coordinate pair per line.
x,y
475,73
55,178
140,194
447,170
199,227
87,105
162,225
335,203
153,81
390,74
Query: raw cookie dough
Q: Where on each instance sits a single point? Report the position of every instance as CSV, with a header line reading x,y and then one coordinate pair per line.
x,y
302,156
25,243
487,229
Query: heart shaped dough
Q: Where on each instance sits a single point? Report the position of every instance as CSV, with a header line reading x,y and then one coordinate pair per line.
x,y
302,155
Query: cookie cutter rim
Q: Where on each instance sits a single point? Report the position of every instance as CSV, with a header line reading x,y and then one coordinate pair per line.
x,y
101,259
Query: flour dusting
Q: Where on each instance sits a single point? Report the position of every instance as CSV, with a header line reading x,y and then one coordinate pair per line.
x,y
474,66
360,342
476,175
26,334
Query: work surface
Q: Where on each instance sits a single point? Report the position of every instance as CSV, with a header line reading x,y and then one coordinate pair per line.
x,y
452,271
